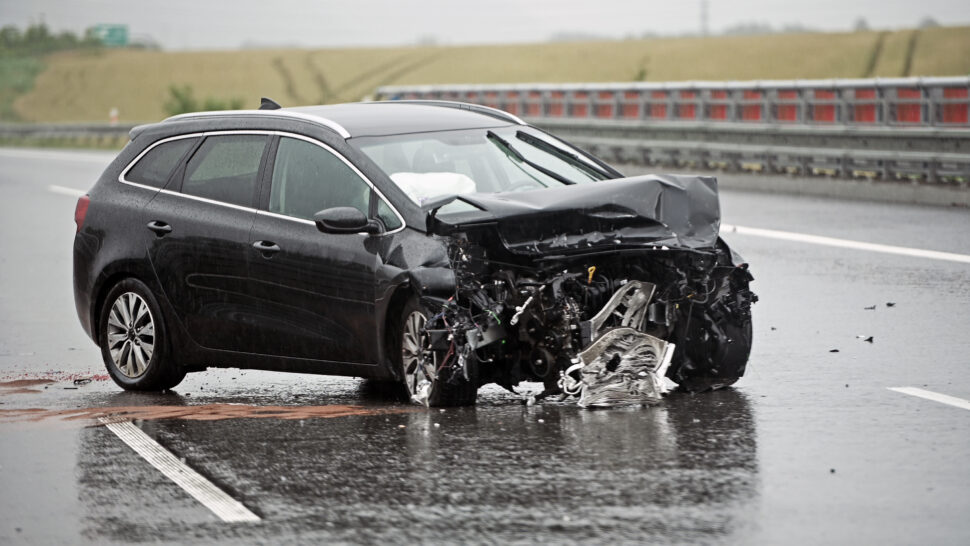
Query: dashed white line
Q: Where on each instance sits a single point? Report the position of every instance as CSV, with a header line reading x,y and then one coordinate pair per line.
x,y
222,505
27,153
934,396
64,190
846,243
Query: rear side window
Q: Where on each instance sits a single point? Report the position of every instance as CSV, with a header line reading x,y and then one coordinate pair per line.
x,y
225,169
154,168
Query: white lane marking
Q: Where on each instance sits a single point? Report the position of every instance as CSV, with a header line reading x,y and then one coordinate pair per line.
x,y
846,243
63,190
934,396
227,508
94,157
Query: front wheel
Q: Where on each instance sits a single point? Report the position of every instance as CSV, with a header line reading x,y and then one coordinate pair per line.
x,y
432,377
715,339
134,344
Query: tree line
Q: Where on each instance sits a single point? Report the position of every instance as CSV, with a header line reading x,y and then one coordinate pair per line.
x,y
37,39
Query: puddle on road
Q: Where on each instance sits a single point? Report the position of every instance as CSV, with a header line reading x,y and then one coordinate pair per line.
x,y
205,412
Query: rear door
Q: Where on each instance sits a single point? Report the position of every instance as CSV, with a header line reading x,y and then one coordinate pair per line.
x,y
201,224
317,289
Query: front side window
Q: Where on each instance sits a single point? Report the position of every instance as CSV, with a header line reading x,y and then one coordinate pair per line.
x,y
154,168
225,168
308,178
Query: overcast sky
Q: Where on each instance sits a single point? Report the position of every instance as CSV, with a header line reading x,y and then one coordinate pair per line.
x,y
204,24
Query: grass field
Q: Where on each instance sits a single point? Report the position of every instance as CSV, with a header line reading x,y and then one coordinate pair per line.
x,y
84,87
17,76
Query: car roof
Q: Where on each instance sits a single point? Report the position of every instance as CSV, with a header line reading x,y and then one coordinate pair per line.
x,y
397,117
383,118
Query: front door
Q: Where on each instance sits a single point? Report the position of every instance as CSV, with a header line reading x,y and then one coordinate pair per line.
x,y
317,290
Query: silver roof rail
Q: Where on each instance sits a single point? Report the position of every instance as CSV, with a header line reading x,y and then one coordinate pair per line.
x,y
336,127
477,108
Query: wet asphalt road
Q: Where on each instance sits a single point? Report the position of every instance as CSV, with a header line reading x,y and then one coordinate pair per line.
x,y
810,447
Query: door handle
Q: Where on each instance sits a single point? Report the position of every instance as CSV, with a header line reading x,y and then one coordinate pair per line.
x,y
266,247
160,228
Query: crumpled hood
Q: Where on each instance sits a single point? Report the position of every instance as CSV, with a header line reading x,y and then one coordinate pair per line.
x,y
652,210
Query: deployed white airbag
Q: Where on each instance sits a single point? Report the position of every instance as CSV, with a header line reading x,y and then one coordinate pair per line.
x,y
421,187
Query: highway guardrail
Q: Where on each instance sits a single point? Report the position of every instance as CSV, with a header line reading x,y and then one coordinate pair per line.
x,y
914,129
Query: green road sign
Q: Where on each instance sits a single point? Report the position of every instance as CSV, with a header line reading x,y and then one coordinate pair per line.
x,y
112,35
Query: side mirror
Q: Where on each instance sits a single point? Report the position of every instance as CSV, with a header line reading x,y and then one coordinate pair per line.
x,y
345,220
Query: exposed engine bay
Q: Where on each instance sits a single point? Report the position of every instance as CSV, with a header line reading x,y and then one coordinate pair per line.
x,y
605,327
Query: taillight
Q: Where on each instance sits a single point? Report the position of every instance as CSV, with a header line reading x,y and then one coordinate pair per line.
x,y
80,211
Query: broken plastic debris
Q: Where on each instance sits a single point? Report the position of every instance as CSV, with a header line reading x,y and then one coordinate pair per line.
x,y
423,394
870,308
623,367
864,337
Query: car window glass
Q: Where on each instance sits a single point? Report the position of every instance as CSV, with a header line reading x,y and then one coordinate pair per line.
x,y
154,168
225,168
384,212
308,178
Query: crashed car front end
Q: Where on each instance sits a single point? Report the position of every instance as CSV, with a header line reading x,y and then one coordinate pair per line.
x,y
599,291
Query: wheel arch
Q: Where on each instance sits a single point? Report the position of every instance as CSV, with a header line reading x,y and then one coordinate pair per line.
x,y
399,298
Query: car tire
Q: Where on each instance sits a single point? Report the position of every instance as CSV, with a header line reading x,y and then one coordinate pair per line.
x,y
134,341
417,363
717,338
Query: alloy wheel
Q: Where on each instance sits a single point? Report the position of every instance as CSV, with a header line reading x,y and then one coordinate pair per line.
x,y
131,334
418,359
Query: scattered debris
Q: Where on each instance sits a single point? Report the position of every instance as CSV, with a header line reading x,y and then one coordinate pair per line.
x,y
623,367
864,337
833,350
870,308
82,380
773,328
890,304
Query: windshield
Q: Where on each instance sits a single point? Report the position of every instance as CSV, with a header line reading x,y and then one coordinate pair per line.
x,y
508,159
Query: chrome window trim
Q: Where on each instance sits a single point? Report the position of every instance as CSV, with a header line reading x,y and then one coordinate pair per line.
x,y
339,129
207,200
335,153
285,217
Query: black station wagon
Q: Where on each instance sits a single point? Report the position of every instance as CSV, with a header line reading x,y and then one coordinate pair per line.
x,y
438,245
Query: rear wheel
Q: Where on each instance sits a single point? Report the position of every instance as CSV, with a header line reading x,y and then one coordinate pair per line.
x,y
134,344
431,376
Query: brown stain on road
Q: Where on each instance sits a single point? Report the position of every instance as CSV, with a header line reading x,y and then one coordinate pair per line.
x,y
22,383
207,412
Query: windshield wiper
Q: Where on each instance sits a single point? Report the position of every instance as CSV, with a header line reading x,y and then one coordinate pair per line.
x,y
564,155
508,149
